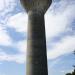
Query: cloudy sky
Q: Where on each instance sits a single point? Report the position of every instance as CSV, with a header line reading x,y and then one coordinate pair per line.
x,y
60,35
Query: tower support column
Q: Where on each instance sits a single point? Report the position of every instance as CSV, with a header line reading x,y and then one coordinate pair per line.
x,y
36,45
36,60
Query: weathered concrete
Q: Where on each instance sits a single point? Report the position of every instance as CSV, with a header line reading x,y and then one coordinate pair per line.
x,y
36,44
38,5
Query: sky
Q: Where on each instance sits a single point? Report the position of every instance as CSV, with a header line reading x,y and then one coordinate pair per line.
x,y
60,37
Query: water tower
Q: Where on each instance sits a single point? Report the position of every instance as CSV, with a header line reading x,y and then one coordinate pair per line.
x,y
36,61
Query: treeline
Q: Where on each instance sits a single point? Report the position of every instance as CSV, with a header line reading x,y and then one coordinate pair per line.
x,y
73,73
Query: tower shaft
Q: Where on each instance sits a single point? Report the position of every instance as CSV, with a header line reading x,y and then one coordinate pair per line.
x,y
36,45
36,61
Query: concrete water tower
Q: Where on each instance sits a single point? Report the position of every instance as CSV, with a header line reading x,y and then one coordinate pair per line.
x,y
36,61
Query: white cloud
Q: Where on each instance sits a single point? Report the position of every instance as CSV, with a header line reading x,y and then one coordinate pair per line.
x,y
18,58
57,21
4,4
54,25
1,5
22,46
19,22
4,37
65,46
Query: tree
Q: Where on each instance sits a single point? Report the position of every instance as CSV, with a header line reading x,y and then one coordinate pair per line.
x,y
73,73
68,74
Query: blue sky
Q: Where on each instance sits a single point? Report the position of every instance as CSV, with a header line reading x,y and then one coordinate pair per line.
x,y
60,35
